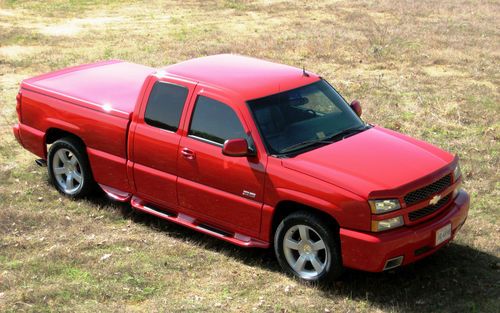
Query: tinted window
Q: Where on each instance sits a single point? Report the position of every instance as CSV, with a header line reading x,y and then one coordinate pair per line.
x,y
215,121
291,120
165,105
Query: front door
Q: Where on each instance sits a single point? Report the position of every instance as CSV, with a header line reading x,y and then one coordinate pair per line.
x,y
225,190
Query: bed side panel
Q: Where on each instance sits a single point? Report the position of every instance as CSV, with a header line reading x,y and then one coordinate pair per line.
x,y
103,134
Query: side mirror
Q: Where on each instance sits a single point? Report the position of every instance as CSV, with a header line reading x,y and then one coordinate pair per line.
x,y
236,147
356,107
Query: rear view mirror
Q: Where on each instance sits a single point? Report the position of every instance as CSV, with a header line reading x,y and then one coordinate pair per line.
x,y
356,107
235,147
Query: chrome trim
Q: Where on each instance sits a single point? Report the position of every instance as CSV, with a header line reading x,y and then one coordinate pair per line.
x,y
249,194
206,140
157,211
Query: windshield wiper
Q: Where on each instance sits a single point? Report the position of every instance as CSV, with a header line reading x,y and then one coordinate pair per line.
x,y
304,144
348,132
335,137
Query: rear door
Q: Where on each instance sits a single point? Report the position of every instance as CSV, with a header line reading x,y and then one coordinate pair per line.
x,y
156,140
225,190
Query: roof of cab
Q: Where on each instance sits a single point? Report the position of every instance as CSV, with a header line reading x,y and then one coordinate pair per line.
x,y
251,78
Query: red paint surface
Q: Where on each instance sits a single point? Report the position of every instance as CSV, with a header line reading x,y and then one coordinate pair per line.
x,y
111,86
369,252
104,105
247,77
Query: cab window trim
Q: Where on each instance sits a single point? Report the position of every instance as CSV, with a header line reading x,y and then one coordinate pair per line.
x,y
206,140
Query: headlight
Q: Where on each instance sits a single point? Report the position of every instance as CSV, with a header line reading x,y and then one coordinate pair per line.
x,y
388,223
457,173
384,206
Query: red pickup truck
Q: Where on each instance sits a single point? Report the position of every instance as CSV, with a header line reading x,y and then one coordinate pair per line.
x,y
252,152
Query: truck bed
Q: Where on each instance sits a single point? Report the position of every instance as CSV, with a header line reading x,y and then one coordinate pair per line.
x,y
110,86
94,102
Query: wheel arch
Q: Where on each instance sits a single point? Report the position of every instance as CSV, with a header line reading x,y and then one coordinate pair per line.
x,y
53,134
286,207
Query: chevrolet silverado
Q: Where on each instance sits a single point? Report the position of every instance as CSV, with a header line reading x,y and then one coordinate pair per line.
x,y
255,153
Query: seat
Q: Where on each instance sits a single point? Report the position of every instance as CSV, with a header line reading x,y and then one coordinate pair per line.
x,y
271,120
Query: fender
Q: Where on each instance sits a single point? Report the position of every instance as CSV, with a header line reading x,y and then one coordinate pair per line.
x,y
58,124
285,194
307,199
63,125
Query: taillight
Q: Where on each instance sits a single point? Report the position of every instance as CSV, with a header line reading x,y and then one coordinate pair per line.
x,y
18,106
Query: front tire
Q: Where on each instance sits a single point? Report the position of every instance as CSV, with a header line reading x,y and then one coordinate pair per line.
x,y
69,169
307,248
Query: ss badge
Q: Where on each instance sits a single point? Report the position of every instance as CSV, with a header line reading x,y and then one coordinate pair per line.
x,y
248,194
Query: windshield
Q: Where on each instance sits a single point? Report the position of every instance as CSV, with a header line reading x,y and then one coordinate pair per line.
x,y
292,120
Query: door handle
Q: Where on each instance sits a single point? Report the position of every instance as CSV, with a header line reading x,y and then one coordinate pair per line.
x,y
188,154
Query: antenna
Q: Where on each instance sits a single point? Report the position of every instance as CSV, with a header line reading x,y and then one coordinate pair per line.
x,y
304,73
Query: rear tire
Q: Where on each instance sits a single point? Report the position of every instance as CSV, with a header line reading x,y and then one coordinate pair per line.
x,y
69,168
308,248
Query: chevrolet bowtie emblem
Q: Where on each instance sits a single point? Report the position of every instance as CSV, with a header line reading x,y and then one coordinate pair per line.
x,y
435,200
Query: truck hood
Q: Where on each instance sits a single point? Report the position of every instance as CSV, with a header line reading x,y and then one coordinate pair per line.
x,y
376,159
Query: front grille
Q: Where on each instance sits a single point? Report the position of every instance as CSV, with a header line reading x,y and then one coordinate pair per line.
x,y
427,191
418,214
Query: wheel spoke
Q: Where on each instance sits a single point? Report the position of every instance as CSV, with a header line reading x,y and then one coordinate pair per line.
x,y
304,232
62,156
318,245
316,263
73,160
291,244
59,170
77,177
69,182
299,265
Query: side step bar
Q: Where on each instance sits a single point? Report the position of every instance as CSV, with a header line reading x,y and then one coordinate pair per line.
x,y
191,222
116,194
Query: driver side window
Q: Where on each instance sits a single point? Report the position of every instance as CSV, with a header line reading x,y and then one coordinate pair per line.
x,y
215,122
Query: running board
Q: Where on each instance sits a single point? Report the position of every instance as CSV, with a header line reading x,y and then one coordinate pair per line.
x,y
116,194
191,222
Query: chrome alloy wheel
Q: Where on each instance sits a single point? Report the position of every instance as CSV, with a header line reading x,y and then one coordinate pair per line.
x,y
67,171
305,251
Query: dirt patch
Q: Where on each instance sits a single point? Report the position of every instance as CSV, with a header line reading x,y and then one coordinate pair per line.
x,y
442,71
16,52
74,26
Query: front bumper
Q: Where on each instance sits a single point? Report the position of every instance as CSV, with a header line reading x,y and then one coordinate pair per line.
x,y
370,251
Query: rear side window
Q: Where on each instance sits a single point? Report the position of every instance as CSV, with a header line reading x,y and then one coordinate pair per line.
x,y
165,105
215,121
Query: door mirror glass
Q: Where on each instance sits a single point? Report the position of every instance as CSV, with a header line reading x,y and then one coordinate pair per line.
x,y
235,147
356,107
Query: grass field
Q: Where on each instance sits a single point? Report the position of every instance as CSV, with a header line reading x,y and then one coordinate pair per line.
x,y
429,69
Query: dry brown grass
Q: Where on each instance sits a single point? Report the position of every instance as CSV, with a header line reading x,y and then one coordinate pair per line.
x,y
425,68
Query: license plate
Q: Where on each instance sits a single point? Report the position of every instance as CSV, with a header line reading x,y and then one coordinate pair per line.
x,y
443,234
